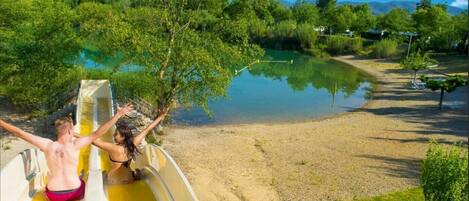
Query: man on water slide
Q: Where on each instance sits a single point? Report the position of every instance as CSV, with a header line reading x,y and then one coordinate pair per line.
x,y
62,155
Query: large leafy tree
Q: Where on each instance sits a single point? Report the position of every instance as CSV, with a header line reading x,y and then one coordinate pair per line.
x,y
363,18
305,13
424,4
432,25
434,18
38,44
460,29
342,18
250,9
280,12
396,20
177,60
325,4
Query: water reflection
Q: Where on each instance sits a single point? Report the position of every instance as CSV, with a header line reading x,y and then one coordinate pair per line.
x,y
307,88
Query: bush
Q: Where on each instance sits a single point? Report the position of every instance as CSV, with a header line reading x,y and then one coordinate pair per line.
x,y
384,49
306,35
444,174
284,29
343,44
317,52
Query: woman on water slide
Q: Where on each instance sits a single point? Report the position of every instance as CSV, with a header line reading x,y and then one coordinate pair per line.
x,y
124,150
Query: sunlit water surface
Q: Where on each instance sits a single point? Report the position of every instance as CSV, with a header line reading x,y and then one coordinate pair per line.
x,y
302,87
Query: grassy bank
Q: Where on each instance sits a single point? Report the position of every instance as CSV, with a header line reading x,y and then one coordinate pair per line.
x,y
413,194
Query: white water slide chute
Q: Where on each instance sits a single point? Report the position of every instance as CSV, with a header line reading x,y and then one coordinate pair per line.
x,y
25,176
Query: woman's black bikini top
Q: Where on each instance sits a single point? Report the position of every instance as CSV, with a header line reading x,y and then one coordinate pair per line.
x,y
124,163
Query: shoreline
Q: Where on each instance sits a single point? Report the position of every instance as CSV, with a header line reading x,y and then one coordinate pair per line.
x,y
372,150
375,84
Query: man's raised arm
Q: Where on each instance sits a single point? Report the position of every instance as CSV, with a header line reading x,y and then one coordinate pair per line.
x,y
81,142
37,141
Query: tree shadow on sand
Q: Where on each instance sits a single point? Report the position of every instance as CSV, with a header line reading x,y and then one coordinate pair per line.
x,y
445,122
405,167
424,140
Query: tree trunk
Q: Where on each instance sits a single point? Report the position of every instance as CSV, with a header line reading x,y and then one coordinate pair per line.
x,y
441,98
168,54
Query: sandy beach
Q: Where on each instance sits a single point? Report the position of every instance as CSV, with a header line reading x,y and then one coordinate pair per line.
x,y
369,151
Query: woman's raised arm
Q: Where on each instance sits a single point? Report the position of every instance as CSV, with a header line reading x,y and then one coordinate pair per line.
x,y
138,139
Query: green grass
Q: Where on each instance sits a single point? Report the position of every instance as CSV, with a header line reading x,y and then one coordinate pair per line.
x,y
413,194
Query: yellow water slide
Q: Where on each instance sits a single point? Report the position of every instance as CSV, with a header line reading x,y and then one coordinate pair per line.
x,y
25,176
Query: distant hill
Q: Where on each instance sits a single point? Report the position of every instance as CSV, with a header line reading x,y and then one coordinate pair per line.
x,y
382,7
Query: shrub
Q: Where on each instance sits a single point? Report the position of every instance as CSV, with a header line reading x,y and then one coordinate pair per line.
x,y
317,52
343,44
444,174
306,35
384,49
284,29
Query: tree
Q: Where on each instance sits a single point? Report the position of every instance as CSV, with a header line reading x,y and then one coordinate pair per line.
x,y
176,61
249,9
342,18
395,21
432,26
424,4
325,4
416,62
305,13
364,19
460,23
430,20
327,12
449,84
38,41
280,12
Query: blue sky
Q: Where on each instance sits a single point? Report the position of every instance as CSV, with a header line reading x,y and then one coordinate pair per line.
x,y
455,3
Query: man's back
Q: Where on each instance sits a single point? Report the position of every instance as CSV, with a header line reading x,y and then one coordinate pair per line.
x,y
62,159
62,155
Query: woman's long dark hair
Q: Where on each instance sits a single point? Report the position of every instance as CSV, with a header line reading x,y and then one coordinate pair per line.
x,y
125,131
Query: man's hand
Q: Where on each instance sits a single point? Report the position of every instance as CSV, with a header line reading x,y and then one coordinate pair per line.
x,y
121,111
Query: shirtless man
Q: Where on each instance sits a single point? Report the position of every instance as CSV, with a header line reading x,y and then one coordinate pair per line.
x,y
62,155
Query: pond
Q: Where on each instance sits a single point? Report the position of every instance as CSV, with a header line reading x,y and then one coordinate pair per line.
x,y
287,86
301,88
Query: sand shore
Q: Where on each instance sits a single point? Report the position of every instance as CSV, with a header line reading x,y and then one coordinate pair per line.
x,y
370,151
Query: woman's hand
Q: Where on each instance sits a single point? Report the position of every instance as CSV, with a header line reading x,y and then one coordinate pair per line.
x,y
121,111
162,113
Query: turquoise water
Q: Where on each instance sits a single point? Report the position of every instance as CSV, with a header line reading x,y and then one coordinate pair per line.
x,y
276,92
302,87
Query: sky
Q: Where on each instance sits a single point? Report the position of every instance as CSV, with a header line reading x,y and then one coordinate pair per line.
x,y
455,3
459,3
